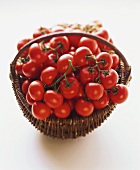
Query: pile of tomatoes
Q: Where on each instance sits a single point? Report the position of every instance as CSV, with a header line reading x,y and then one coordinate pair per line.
x,y
69,73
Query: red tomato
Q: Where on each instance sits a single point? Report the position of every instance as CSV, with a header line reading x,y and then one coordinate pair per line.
x,y
116,61
53,99
18,68
103,33
63,111
52,60
81,92
63,63
41,31
88,74
83,107
60,44
74,40
88,42
94,91
29,100
81,56
40,110
48,75
36,90
106,59
102,102
36,54
110,80
71,102
25,86
119,94
20,44
31,69
69,87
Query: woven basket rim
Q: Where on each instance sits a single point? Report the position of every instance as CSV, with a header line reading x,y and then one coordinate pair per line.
x,y
67,128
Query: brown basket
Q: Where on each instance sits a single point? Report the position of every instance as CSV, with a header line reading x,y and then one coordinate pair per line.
x,y
74,126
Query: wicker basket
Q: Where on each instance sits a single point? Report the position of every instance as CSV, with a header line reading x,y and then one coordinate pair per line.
x,y
74,126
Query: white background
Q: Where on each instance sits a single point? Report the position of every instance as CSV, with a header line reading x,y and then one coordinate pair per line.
x,y
113,146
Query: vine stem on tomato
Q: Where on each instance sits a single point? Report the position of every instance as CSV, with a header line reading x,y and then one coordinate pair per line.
x,y
54,85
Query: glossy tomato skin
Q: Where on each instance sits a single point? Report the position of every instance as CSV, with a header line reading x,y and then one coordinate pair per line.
x,y
88,74
25,86
103,33
52,60
53,99
94,91
83,107
41,31
88,42
48,75
110,80
80,56
108,61
119,94
102,102
36,90
29,100
18,68
20,44
63,111
36,54
116,61
69,89
63,42
31,69
40,110
63,62
74,40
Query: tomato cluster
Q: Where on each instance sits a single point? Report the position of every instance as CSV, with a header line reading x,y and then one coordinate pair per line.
x,y
69,72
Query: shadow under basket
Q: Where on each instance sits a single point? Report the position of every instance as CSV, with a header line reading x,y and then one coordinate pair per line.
x,y
75,125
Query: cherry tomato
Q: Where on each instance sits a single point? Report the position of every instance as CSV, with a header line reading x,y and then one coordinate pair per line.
x,y
81,92
88,42
82,56
52,60
74,40
29,100
110,80
41,31
53,99
63,63
25,86
63,111
83,107
18,68
36,54
69,87
103,33
60,44
106,59
88,74
31,69
116,61
20,44
71,102
36,90
40,110
48,75
94,91
119,94
102,102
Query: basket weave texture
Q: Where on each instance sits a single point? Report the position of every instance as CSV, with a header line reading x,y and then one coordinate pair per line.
x,y
75,125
